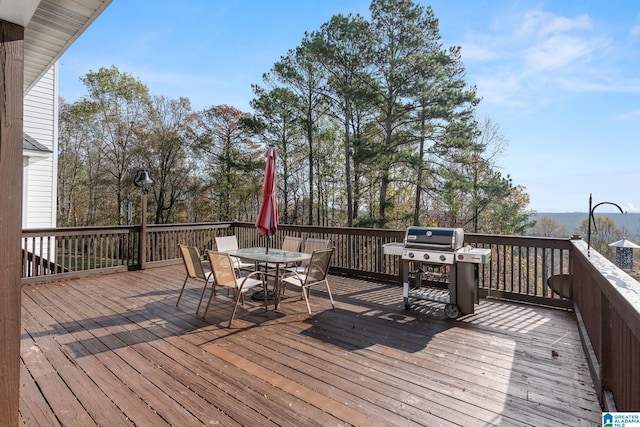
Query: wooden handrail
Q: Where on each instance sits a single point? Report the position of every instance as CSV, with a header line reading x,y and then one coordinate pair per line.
x,y
607,303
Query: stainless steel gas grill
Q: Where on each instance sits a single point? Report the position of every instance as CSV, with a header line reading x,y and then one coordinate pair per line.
x,y
443,270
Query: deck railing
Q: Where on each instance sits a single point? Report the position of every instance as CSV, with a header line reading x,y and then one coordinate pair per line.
x,y
520,269
607,304
358,251
60,253
51,254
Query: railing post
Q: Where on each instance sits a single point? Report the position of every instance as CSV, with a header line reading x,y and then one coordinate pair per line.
x,y
11,139
143,180
142,255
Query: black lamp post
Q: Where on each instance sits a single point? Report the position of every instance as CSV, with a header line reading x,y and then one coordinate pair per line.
x,y
592,219
143,180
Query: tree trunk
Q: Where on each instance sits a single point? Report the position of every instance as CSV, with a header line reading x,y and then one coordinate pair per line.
x,y
311,159
347,166
420,174
384,181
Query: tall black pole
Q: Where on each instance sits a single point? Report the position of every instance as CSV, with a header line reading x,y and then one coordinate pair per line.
x,y
592,218
589,227
143,231
143,180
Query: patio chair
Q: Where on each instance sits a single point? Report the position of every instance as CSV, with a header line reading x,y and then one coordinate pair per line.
x,y
291,244
224,273
310,245
315,274
193,265
229,243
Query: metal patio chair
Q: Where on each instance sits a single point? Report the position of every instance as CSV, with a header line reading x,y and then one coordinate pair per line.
x,y
193,266
224,273
315,274
229,243
310,245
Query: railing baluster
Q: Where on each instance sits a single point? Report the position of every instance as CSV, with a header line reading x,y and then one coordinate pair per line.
x,y
519,265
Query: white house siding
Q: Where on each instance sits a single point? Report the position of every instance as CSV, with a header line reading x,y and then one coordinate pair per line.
x,y
40,172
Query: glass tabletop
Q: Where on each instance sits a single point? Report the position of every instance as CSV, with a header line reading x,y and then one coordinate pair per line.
x,y
274,256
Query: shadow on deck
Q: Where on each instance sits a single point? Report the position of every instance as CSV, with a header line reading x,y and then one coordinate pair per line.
x,y
115,350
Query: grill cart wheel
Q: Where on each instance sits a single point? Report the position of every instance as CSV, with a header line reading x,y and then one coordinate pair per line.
x,y
451,311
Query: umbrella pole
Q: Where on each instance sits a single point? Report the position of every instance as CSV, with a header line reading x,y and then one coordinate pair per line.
x,y
268,243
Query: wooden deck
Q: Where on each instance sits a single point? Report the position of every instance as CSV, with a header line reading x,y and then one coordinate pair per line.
x,y
115,351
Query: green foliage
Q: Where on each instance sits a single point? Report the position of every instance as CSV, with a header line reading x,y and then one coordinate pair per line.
x,y
166,149
509,217
229,157
103,133
373,122
603,232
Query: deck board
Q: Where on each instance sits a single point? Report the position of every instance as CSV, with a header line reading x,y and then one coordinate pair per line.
x,y
115,350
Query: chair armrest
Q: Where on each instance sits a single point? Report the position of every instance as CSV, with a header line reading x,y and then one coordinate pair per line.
x,y
295,276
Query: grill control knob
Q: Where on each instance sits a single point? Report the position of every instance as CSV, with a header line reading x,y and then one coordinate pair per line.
x,y
443,258
426,256
411,255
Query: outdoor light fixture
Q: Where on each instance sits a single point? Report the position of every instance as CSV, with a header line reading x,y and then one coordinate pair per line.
x,y
592,219
143,180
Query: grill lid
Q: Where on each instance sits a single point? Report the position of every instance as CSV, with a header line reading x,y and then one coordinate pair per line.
x,y
445,239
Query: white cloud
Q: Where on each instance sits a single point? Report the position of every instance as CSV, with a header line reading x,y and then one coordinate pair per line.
x,y
539,23
499,88
635,31
535,56
558,53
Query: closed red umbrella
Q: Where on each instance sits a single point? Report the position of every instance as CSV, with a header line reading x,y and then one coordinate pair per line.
x,y
267,222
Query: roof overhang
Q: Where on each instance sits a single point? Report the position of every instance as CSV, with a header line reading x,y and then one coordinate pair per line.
x,y
18,11
624,243
51,26
32,148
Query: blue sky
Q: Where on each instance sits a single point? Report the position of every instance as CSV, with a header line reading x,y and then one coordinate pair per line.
x,y
560,78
